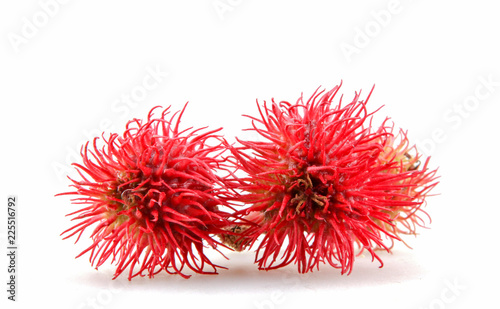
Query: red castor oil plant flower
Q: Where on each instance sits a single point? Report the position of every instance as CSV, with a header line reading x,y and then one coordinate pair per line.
x,y
152,197
324,184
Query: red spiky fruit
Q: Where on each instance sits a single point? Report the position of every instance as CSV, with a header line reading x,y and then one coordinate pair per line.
x,y
324,183
152,197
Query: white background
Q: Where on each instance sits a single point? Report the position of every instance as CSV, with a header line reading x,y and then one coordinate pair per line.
x,y
65,68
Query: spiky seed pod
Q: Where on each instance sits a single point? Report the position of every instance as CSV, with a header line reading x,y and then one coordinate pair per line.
x,y
325,183
417,187
152,197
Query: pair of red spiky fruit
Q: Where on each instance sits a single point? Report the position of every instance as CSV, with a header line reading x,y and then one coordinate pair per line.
x,y
322,185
